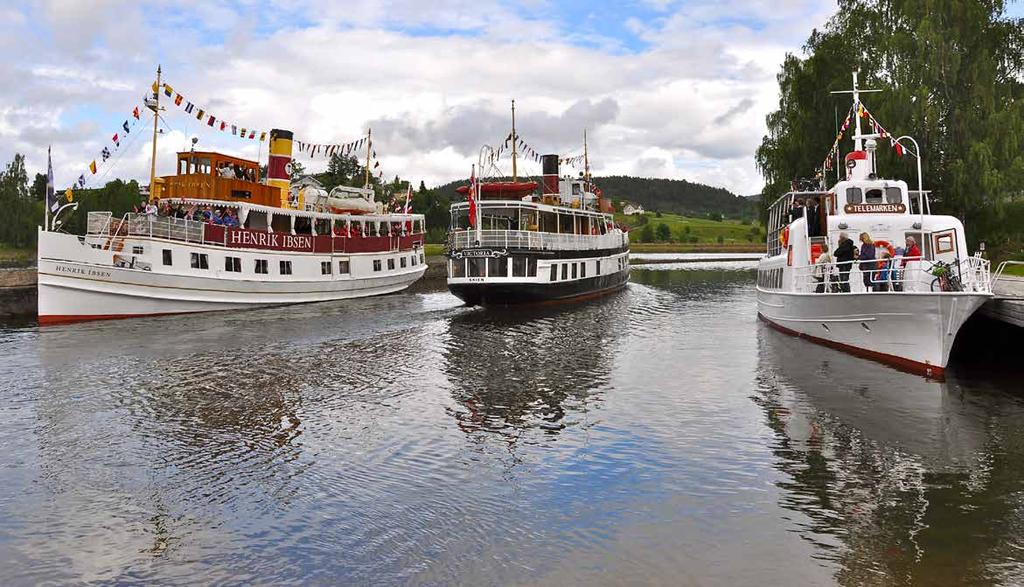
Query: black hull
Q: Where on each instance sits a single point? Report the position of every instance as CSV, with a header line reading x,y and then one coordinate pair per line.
x,y
507,294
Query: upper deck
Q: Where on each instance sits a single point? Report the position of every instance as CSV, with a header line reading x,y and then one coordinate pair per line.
x,y
533,225
208,175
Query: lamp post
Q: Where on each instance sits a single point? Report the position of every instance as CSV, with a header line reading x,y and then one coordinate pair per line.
x,y
920,190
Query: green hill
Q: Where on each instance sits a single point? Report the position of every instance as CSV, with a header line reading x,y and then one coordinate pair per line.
x,y
662,195
682,229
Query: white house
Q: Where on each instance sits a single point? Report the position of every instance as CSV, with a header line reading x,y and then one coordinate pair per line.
x,y
632,209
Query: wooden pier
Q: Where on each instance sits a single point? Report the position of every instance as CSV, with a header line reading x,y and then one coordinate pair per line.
x,y
1008,304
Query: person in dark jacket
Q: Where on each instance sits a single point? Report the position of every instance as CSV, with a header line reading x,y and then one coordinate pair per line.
x,y
797,211
811,212
844,254
868,262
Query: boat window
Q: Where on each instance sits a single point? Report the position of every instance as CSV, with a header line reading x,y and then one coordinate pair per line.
x,y
137,249
261,266
303,225
873,196
460,219
281,223
391,264
548,222
574,270
554,273
256,220
531,267
576,189
854,196
893,195
583,269
477,267
285,267
944,243
343,268
412,260
497,267
377,265
458,268
199,261
597,268
565,271
403,263
232,264
167,257
325,267
518,266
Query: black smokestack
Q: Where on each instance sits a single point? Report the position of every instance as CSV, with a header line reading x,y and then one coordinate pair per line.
x,y
549,167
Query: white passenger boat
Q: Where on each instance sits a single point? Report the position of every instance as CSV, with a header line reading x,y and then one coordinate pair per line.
x,y
509,245
281,246
903,307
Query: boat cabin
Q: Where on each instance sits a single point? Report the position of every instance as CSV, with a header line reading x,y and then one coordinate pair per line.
x,y
209,175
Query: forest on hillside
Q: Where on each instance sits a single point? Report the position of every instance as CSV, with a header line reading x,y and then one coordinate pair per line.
x,y
950,72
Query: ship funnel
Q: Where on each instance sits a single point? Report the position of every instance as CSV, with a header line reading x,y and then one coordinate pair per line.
x,y
278,167
549,167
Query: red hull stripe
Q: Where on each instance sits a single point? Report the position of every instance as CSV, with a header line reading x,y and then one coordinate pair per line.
x,y
901,363
54,319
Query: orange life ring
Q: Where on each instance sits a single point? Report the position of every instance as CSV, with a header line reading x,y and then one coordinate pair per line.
x,y
784,236
885,245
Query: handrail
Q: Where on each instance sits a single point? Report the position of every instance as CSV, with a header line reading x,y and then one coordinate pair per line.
x,y
998,274
525,239
916,276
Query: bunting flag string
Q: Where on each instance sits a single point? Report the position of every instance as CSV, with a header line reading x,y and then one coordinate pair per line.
x,y
876,128
524,149
108,151
312,150
203,115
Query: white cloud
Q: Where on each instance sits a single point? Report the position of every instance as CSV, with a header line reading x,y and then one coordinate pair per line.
x,y
433,79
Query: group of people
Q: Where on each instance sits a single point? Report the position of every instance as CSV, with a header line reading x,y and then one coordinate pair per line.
x,y
880,272
807,208
229,171
207,214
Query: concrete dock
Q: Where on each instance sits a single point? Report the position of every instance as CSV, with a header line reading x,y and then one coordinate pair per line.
x,y
1008,305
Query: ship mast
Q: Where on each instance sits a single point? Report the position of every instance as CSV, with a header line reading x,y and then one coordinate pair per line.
x,y
586,159
155,106
369,145
514,140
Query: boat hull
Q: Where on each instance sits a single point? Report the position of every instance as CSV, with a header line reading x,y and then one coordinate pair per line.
x,y
507,294
75,285
909,330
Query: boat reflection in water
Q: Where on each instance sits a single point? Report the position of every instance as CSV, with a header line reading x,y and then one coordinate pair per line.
x,y
901,479
542,367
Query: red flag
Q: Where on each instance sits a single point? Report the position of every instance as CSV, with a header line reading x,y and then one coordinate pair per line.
x,y
135,113
899,150
472,199
210,122
223,125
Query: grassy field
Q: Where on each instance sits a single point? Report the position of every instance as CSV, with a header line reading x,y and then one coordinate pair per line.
x,y
1017,270
9,255
692,231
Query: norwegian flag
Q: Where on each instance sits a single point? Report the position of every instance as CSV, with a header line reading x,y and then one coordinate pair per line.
x,y
408,209
472,198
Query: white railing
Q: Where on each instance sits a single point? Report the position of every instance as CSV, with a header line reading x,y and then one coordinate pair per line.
x,y
1001,269
527,239
918,275
98,222
164,227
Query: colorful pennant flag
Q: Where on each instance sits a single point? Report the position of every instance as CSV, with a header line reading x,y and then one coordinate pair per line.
x,y
116,140
125,127
210,121
167,90
177,99
92,167
135,113
188,109
199,116
105,153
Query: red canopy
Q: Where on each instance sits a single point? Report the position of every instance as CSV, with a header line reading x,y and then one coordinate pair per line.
x,y
502,189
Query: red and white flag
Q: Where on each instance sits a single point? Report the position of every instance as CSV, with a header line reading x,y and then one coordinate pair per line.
x,y
408,201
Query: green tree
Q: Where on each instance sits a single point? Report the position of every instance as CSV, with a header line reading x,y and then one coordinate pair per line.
x,y
663,232
951,73
38,189
647,234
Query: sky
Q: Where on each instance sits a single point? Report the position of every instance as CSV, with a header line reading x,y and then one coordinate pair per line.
x,y
664,88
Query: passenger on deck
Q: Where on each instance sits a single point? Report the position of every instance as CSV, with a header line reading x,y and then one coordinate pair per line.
x,y
884,278
913,251
845,254
151,210
823,270
867,260
231,219
226,171
797,211
811,212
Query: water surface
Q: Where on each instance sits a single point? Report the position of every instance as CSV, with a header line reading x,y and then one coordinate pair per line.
x,y
660,435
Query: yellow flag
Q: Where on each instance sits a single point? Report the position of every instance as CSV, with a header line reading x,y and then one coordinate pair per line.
x,y
68,196
92,167
156,88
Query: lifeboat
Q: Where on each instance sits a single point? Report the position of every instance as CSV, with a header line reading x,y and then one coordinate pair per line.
x,y
502,190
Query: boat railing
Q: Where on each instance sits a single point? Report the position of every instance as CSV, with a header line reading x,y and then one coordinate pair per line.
x,y
918,275
1001,270
166,227
98,223
528,239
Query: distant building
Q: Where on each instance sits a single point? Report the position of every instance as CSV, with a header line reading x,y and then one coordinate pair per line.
x,y
632,209
306,181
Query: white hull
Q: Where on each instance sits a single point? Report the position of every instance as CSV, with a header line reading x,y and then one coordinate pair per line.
x,y
78,282
912,330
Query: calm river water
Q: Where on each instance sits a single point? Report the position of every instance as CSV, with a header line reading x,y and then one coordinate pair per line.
x,y
661,435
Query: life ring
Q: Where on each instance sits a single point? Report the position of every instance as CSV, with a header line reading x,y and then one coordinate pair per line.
x,y
784,236
884,245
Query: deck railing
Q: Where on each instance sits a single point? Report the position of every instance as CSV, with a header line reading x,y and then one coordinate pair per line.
x,y
527,239
190,231
918,275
